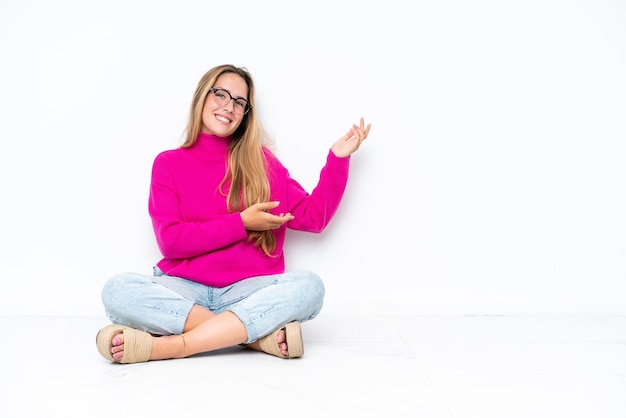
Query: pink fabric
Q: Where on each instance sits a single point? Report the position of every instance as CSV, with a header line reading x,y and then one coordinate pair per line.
x,y
200,240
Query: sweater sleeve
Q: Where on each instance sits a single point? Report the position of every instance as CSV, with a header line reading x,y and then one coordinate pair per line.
x,y
314,211
177,236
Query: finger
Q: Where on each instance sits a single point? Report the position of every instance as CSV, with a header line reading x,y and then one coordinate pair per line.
x,y
347,136
358,133
364,130
264,206
365,133
284,217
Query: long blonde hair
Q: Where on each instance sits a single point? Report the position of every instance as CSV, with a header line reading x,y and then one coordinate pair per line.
x,y
246,168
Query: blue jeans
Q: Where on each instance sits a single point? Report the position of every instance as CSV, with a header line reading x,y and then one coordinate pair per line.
x,y
160,304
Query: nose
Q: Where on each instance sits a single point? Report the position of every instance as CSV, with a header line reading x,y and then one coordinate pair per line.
x,y
230,105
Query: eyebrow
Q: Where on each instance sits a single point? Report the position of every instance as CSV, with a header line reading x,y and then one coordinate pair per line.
x,y
231,95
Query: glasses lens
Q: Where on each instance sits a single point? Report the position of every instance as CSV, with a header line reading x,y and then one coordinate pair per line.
x,y
241,106
221,96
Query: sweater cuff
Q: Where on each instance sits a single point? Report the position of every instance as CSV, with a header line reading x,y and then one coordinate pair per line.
x,y
333,159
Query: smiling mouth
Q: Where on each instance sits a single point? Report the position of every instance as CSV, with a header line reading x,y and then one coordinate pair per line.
x,y
222,118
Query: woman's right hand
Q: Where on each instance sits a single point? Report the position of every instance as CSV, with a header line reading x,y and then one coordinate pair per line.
x,y
258,218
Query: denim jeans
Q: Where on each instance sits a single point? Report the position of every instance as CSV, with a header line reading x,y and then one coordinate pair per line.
x,y
160,304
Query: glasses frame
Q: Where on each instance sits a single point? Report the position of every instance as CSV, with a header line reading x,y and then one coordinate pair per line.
x,y
215,89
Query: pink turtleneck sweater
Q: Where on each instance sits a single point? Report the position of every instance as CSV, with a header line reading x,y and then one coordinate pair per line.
x,y
200,240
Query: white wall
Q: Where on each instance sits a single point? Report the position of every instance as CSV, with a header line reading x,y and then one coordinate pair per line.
x,y
492,181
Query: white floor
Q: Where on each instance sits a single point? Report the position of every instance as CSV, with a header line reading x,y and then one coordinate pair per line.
x,y
408,366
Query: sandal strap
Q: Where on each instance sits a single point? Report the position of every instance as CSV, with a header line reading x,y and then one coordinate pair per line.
x,y
137,346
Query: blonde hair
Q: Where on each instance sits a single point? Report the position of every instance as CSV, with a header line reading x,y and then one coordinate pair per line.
x,y
246,170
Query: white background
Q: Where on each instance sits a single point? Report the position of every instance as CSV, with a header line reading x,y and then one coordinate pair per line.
x,y
493,180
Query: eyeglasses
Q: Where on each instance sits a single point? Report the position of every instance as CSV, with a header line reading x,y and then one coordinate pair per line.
x,y
223,97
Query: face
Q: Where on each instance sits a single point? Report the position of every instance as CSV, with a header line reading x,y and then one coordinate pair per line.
x,y
224,119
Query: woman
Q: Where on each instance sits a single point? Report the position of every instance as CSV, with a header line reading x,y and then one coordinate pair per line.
x,y
220,205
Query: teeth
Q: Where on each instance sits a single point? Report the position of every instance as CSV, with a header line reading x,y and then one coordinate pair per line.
x,y
222,118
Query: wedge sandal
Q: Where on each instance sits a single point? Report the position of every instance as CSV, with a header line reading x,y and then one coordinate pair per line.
x,y
293,333
137,344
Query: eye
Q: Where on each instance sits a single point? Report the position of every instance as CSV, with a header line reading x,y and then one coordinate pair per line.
x,y
221,94
241,103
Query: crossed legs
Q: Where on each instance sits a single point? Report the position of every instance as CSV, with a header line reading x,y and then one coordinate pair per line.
x,y
178,322
204,331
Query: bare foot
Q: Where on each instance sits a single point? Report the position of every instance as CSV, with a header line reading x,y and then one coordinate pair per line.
x,y
167,347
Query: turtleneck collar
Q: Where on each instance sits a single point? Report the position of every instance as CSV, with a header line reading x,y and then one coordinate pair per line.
x,y
208,143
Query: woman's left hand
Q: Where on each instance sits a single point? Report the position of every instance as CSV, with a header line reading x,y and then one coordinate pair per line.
x,y
352,140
